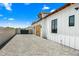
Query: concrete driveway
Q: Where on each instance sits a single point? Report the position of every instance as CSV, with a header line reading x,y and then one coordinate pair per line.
x,y
31,45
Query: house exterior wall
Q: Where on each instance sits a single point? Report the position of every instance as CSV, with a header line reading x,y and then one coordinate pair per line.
x,y
65,35
43,30
30,29
34,28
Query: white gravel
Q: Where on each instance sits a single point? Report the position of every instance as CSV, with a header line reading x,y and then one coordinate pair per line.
x,y
31,45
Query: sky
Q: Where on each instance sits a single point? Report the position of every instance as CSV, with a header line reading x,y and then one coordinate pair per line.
x,y
21,15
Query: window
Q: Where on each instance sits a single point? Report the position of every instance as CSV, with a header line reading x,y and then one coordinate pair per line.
x,y
71,20
54,26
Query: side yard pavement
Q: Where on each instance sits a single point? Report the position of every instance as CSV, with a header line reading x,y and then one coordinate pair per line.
x,y
31,45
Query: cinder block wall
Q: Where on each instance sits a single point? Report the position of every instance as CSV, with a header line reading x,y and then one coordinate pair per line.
x,y
6,34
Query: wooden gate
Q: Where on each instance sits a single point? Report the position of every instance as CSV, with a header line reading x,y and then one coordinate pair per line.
x,y
38,30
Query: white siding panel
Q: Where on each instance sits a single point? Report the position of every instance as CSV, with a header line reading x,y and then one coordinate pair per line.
x,y
66,35
72,42
77,43
67,41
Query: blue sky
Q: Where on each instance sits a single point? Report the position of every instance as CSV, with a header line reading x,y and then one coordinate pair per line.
x,y
23,14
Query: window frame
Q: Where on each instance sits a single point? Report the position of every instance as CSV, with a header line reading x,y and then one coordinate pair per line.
x,y
54,26
73,22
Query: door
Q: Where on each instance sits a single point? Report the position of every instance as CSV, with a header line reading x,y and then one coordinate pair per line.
x,y
38,30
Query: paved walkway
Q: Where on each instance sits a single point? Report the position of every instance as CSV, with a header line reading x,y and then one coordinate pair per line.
x,y
32,45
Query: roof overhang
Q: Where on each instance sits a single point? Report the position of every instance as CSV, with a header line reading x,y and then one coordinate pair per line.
x,y
57,10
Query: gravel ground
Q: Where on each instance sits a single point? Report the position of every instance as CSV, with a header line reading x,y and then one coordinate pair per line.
x,y
31,45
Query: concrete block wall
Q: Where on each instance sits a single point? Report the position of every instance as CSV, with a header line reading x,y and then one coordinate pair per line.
x,y
6,34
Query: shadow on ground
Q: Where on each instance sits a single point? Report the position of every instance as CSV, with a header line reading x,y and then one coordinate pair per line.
x,y
1,46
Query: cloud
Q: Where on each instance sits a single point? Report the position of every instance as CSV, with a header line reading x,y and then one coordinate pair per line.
x,y
45,7
5,18
8,6
27,3
9,24
1,15
1,5
20,25
11,19
52,10
28,23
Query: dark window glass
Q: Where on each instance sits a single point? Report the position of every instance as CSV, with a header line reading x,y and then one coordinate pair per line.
x,y
71,20
54,26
